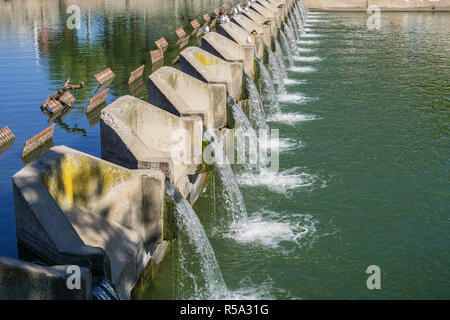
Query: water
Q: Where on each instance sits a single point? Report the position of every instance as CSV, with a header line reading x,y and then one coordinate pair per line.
x,y
104,291
201,277
286,50
268,92
276,71
257,114
363,176
279,56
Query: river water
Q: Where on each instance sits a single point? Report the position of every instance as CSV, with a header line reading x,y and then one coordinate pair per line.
x,y
363,176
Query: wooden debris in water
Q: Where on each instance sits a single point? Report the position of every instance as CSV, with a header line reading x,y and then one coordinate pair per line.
x,y
104,76
97,100
162,44
38,140
136,74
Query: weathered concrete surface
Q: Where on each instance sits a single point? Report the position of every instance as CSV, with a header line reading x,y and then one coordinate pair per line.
x,y
73,208
182,95
230,51
267,13
239,35
207,67
273,7
262,20
138,135
20,280
250,25
385,5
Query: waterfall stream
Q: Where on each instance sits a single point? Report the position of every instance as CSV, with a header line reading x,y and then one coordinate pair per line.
x,y
192,241
104,291
286,48
279,56
257,114
268,92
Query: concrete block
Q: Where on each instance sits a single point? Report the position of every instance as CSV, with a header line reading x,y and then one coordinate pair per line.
x,y
250,25
239,35
267,13
208,68
230,51
137,135
182,95
20,280
73,208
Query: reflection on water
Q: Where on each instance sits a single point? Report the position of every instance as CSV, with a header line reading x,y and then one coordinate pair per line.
x,y
38,53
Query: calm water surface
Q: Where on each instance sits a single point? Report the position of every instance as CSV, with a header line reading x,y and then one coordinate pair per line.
x,y
363,178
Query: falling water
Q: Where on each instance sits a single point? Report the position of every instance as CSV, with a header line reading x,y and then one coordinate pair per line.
x,y
233,196
104,291
257,114
300,22
286,48
279,56
195,252
291,37
275,70
295,30
269,95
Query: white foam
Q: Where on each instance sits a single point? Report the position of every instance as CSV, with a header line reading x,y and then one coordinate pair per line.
x,y
317,20
271,229
306,49
290,118
283,144
302,69
280,182
312,35
308,42
290,82
306,59
292,97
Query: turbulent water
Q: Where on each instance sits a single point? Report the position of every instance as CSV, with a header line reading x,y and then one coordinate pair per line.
x,y
363,171
200,278
257,114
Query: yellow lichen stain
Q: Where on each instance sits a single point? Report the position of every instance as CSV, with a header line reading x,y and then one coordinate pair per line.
x,y
78,181
204,60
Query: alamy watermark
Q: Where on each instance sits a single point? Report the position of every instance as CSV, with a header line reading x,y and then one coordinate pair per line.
x,y
73,281
374,280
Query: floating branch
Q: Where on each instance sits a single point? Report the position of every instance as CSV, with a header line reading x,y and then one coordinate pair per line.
x,y
104,76
162,44
58,94
97,100
6,136
136,74
38,140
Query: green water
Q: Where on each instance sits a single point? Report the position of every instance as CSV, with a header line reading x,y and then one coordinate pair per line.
x,y
368,181
364,183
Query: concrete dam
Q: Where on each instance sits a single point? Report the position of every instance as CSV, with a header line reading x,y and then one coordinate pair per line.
x,y
115,218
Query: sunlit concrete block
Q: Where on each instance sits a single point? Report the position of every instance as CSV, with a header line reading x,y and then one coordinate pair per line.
x,y
250,25
230,51
207,67
267,13
73,208
137,135
239,35
182,95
